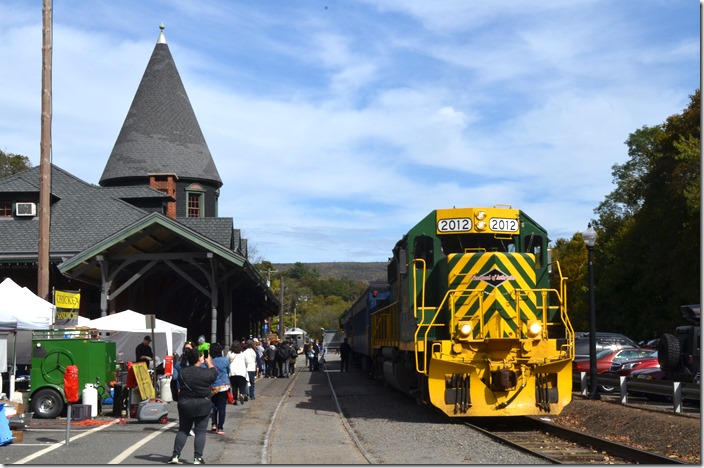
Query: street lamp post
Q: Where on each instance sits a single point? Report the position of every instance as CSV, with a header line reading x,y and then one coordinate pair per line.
x,y
589,237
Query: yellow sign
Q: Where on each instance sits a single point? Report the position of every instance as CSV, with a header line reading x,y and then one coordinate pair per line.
x,y
67,299
67,306
144,380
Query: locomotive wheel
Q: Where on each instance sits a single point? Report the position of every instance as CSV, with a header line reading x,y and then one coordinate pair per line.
x,y
47,403
668,352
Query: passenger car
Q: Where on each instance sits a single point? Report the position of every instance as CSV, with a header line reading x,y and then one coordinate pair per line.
x,y
604,340
605,359
626,367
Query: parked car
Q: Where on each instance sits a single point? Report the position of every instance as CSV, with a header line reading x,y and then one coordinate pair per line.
x,y
626,367
606,358
653,373
680,353
652,344
604,340
656,373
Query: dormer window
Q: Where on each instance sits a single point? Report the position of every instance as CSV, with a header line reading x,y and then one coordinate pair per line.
x,y
195,196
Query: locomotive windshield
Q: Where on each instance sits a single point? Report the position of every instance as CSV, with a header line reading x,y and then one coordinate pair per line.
x,y
460,243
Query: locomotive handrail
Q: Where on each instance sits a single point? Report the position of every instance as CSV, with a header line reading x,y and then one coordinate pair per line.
x,y
415,286
569,331
432,324
455,293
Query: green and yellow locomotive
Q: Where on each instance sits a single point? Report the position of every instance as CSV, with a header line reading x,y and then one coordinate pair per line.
x,y
472,325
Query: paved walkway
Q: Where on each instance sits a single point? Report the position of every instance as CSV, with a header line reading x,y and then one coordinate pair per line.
x,y
307,429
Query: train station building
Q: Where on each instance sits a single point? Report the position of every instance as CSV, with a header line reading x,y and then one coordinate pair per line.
x,y
148,236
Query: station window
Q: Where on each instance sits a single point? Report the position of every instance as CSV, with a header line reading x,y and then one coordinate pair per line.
x,y
5,209
195,205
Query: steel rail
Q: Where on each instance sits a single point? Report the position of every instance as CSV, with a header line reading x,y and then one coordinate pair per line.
x,y
560,445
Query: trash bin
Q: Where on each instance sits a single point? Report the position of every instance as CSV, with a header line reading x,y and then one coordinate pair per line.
x,y
117,398
5,432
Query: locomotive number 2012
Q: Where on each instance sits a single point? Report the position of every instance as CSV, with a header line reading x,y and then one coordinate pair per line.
x,y
503,224
454,225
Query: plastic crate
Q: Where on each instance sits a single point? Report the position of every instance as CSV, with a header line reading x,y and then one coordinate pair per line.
x,y
80,412
20,421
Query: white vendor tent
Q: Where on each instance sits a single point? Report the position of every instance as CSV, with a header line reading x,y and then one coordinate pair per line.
x,y
20,312
21,309
128,328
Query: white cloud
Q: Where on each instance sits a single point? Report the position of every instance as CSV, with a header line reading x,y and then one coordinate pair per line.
x,y
335,130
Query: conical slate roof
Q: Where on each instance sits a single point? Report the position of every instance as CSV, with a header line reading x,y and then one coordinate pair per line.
x,y
160,134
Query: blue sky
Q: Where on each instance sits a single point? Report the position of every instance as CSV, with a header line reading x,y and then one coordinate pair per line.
x,y
337,125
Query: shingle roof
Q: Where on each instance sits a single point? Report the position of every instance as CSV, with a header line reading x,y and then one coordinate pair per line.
x,y
216,229
160,134
84,214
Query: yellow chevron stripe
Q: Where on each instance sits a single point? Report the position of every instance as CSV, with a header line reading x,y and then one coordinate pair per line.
x,y
518,266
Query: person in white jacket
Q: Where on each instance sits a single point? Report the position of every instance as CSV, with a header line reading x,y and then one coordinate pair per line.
x,y
250,359
239,376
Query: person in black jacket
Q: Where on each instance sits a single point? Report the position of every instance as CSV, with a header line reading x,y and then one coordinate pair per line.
x,y
194,405
143,352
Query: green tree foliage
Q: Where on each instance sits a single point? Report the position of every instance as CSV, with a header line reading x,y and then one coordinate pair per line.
x,y
572,257
310,301
647,256
12,164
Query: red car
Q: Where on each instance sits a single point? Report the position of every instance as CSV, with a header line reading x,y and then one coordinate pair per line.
x,y
626,367
606,358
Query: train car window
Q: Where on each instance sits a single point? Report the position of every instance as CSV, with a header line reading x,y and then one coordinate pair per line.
x,y
423,248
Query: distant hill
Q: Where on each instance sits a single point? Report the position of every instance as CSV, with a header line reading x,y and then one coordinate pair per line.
x,y
356,271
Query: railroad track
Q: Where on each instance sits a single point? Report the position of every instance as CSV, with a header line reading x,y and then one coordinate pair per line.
x,y
563,446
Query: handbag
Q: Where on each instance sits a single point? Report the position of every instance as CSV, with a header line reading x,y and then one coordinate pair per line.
x,y
230,397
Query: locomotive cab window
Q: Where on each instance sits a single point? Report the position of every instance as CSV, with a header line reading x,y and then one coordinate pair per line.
x,y
423,249
534,244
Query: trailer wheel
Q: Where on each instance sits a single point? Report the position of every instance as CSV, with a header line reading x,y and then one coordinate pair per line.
x,y
668,352
47,403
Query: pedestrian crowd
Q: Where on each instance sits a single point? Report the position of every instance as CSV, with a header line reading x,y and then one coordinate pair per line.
x,y
206,378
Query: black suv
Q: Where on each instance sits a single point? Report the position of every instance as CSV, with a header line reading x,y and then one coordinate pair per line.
x,y
604,340
679,354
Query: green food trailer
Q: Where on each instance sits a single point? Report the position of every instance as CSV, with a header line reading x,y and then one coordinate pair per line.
x,y
52,351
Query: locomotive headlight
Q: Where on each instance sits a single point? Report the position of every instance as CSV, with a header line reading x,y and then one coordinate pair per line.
x,y
464,329
480,225
534,329
480,215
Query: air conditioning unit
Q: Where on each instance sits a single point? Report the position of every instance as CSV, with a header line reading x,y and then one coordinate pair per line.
x,y
26,209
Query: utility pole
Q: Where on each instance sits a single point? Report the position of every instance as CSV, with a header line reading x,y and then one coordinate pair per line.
x,y
45,156
281,310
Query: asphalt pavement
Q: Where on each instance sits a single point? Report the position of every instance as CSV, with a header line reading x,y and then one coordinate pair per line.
x,y
306,430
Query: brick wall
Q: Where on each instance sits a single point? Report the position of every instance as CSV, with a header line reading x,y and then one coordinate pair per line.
x,y
166,184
